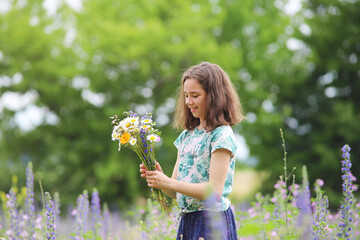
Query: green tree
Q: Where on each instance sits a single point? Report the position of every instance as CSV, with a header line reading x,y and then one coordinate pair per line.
x,y
79,66
331,90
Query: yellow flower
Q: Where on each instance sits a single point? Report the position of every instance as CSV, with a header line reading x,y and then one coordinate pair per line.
x,y
125,138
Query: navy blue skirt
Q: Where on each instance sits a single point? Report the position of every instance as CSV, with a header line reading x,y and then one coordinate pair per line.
x,y
207,225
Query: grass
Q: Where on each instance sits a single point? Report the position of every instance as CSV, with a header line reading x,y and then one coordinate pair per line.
x,y
288,213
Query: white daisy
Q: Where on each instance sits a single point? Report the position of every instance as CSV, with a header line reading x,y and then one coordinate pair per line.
x,y
115,135
153,138
146,121
133,141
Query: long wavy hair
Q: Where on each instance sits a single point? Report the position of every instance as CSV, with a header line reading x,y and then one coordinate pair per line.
x,y
224,106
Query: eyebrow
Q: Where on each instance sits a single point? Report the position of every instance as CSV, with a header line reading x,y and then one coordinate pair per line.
x,y
192,92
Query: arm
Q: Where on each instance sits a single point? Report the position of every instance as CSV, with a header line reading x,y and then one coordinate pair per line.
x,y
219,166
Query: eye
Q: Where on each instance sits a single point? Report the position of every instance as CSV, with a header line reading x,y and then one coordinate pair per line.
x,y
195,96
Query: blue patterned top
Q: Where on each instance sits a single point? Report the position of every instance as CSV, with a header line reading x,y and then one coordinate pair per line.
x,y
195,149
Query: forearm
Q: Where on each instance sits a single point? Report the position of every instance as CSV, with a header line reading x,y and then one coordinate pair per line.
x,y
170,193
195,190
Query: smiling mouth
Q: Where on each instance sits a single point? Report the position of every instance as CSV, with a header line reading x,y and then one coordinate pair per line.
x,y
193,109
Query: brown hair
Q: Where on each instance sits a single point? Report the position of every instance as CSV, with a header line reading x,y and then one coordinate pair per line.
x,y
223,101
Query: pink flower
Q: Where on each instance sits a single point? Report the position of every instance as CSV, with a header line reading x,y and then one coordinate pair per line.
x,y
327,228
319,182
353,178
74,212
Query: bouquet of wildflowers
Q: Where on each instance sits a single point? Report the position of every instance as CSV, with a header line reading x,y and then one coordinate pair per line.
x,y
138,133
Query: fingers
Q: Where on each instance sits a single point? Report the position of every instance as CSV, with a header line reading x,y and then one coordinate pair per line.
x,y
142,170
144,173
151,182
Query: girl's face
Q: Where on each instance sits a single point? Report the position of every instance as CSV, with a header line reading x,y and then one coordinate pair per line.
x,y
195,98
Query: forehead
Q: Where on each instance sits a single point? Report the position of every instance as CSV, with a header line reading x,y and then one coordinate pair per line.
x,y
192,85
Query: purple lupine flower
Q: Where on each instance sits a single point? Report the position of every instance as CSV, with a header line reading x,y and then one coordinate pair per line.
x,y
95,211
279,200
82,213
106,222
346,208
29,202
57,209
320,228
14,233
214,218
303,203
50,218
303,198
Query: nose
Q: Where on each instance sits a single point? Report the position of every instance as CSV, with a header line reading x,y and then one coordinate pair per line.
x,y
188,101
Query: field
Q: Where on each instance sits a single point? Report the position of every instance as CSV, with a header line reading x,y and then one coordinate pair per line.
x,y
289,213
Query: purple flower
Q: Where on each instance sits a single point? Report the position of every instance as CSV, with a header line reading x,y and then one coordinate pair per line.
x,y
29,202
303,203
106,221
50,233
15,231
216,223
320,228
346,209
82,214
95,211
57,208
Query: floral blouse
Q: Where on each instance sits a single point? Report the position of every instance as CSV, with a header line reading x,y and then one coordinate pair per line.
x,y
195,149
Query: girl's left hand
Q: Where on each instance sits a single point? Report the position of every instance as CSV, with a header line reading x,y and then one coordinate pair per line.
x,y
157,179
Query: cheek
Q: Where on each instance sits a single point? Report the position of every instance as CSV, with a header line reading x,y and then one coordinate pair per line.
x,y
206,101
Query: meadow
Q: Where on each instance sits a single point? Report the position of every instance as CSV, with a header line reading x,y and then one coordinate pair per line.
x,y
290,212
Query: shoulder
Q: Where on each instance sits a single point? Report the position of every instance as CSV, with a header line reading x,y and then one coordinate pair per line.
x,y
182,136
223,130
223,137
184,133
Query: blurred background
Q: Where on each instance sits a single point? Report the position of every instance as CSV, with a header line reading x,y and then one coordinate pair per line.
x,y
66,66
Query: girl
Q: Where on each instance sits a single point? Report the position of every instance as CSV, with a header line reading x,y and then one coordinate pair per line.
x,y
207,107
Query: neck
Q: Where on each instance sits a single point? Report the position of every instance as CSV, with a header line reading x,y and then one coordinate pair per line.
x,y
201,125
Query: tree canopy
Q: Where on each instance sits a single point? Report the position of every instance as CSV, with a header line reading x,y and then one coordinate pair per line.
x,y
65,70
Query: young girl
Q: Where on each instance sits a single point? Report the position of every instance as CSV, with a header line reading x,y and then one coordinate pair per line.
x,y
207,107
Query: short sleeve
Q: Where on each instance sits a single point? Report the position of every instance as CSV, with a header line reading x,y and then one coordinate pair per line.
x,y
180,139
223,137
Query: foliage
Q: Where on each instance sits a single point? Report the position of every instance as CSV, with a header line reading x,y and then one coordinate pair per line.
x,y
75,67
